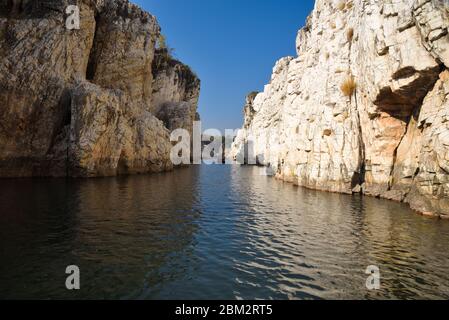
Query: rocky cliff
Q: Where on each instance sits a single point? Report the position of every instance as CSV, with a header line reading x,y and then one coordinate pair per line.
x,y
97,101
364,106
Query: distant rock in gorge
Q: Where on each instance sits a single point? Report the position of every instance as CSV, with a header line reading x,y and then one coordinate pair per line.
x,y
364,107
97,101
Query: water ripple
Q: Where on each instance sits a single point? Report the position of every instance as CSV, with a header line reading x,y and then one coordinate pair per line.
x,y
213,232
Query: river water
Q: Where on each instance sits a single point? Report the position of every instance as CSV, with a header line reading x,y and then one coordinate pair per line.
x,y
212,232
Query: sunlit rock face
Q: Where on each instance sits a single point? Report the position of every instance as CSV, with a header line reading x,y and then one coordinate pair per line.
x,y
176,90
83,102
363,107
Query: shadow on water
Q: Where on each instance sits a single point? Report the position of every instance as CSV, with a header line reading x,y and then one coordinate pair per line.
x,y
212,232
123,234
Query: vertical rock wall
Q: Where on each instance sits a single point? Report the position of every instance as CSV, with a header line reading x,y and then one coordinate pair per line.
x,y
362,107
80,102
176,91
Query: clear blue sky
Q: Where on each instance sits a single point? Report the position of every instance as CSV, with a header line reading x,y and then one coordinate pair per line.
x,y
231,44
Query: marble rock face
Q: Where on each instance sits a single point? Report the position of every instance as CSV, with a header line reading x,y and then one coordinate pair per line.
x,y
363,107
87,102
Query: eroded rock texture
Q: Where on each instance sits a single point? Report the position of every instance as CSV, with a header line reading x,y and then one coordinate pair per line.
x,y
175,92
387,133
87,102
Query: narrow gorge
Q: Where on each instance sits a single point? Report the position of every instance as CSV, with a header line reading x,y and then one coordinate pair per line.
x,y
364,107
319,190
95,101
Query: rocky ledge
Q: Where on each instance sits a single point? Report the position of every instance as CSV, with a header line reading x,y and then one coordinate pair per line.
x,y
96,101
364,107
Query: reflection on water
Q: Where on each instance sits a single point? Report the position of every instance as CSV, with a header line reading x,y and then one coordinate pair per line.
x,y
212,232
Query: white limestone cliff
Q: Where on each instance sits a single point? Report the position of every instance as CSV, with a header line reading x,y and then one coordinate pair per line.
x,y
363,108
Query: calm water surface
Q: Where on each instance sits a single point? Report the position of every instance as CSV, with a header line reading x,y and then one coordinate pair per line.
x,y
212,232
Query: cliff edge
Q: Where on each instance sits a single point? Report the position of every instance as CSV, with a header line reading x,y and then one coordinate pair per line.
x,y
93,101
364,106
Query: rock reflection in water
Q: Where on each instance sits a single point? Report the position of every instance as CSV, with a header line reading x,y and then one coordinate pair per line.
x,y
128,235
212,232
